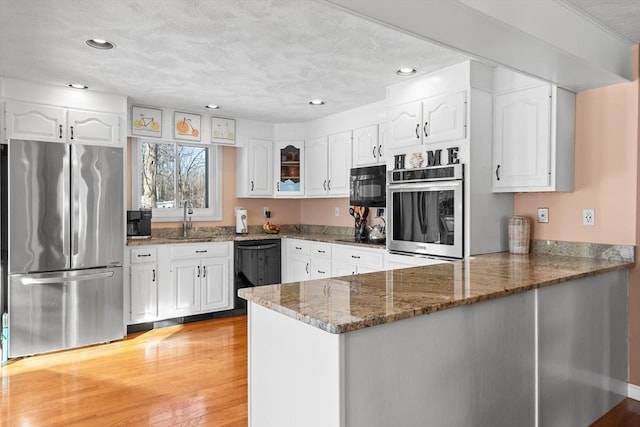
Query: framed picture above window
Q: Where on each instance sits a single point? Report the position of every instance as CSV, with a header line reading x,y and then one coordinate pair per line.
x,y
146,122
223,131
186,126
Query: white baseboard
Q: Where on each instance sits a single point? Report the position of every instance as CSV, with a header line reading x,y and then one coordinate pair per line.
x,y
633,391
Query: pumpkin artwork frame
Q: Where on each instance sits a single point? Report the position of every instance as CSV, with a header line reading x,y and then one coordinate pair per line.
x,y
186,126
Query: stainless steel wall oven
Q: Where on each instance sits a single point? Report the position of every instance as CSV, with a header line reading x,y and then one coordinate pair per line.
x,y
425,209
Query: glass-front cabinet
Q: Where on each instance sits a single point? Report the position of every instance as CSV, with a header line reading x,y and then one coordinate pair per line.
x,y
289,169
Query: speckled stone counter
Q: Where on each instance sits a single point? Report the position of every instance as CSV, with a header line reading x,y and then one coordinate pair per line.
x,y
344,304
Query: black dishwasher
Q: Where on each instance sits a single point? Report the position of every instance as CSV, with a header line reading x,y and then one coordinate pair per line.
x,y
256,263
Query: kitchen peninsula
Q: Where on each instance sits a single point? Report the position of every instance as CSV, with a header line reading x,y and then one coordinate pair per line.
x,y
498,339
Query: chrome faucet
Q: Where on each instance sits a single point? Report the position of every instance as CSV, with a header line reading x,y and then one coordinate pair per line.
x,y
186,222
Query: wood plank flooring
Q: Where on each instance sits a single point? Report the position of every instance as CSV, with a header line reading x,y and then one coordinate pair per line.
x,y
188,375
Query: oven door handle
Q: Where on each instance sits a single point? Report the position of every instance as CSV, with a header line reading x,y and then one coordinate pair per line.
x,y
425,186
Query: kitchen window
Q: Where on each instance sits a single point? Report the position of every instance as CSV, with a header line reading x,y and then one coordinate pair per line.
x,y
167,173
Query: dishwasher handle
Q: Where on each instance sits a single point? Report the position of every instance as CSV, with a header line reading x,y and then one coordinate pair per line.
x,y
257,247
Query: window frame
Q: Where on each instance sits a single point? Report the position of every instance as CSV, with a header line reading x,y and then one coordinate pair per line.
x,y
212,213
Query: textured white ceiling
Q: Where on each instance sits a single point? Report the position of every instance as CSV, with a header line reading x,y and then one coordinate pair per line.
x,y
619,16
258,59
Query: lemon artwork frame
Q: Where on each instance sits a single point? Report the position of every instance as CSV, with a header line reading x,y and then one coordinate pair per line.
x,y
146,121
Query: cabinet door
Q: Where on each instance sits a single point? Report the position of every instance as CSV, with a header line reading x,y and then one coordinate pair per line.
x,y
404,125
144,292
35,122
444,117
339,164
185,285
316,164
366,146
521,138
260,167
298,268
88,127
289,169
216,284
342,269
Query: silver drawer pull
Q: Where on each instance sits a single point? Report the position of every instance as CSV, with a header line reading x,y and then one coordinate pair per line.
x,y
143,255
321,252
202,252
355,256
298,248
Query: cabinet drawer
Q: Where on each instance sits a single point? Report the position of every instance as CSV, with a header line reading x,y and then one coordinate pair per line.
x,y
302,247
144,254
320,268
321,250
200,251
359,256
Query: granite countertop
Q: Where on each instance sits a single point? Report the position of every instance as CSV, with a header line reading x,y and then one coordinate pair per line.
x,y
343,304
318,237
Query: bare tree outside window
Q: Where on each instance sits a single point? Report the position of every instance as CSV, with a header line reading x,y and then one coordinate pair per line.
x,y
159,186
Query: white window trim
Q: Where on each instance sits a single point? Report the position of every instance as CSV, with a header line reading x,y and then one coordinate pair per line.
x,y
213,213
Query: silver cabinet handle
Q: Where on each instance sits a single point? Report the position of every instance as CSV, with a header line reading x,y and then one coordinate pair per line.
x,y
252,186
298,248
71,132
143,255
355,256
204,271
154,275
417,129
324,184
306,267
498,173
329,185
198,271
425,129
321,272
379,150
60,131
373,152
278,186
320,251
204,251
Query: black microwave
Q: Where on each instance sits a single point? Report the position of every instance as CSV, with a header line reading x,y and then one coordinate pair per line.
x,y
368,186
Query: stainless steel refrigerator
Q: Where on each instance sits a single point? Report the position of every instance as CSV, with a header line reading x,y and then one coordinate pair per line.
x,y
64,222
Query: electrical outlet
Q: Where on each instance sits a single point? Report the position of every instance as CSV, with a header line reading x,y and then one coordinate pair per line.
x,y
589,217
543,215
337,212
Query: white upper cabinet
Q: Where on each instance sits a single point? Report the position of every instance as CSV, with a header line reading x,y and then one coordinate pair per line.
x,y
317,157
533,134
444,117
89,127
339,166
55,124
329,165
260,169
367,146
289,168
404,125
435,119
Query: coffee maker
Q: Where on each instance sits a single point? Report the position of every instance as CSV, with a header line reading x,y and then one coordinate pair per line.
x,y
139,224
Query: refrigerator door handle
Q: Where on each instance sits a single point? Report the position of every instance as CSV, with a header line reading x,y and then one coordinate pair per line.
x,y
65,279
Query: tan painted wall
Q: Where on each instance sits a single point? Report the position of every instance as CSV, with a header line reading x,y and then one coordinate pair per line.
x,y
606,178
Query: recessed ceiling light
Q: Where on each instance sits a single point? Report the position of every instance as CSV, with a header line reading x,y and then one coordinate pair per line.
x,y
78,86
100,44
406,71
212,106
316,102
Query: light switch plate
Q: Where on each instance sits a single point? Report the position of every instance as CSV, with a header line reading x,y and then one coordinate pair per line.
x,y
543,215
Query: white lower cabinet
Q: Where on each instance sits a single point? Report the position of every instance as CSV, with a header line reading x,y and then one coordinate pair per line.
x,y
298,260
179,280
351,259
143,289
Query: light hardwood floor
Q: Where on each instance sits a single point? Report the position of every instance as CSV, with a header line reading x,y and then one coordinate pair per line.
x,y
187,375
